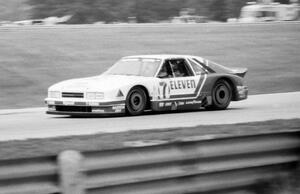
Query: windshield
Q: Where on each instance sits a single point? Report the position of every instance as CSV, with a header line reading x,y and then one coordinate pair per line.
x,y
135,66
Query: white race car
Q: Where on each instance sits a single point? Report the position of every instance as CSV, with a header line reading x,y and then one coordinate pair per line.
x,y
150,82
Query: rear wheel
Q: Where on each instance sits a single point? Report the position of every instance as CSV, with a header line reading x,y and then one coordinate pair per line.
x,y
221,95
136,101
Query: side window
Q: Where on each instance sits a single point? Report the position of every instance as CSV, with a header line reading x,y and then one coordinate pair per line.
x,y
180,68
197,68
165,71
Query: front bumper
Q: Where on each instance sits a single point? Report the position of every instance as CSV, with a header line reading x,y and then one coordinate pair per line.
x,y
62,107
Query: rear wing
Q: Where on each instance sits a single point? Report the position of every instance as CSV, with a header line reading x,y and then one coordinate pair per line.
x,y
215,67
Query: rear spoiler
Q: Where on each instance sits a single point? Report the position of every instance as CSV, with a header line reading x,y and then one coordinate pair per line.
x,y
239,71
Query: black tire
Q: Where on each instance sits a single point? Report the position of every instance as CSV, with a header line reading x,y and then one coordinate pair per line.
x,y
136,101
221,95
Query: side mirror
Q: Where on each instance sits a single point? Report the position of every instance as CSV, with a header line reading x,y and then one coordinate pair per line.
x,y
163,75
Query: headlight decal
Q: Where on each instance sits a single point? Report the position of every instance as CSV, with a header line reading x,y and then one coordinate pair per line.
x,y
54,94
95,95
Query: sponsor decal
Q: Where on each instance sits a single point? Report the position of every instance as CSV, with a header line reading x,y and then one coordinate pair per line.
x,y
168,104
182,84
182,89
93,103
242,90
180,103
161,104
163,90
118,107
193,102
98,110
175,104
197,91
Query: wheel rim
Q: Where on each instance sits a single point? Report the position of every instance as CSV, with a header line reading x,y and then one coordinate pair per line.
x,y
136,101
222,94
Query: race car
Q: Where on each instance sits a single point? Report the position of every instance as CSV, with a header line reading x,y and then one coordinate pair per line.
x,y
140,83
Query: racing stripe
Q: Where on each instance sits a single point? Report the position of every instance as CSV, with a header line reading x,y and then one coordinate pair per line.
x,y
202,84
165,90
198,85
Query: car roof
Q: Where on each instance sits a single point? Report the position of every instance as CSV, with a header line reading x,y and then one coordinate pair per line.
x,y
162,56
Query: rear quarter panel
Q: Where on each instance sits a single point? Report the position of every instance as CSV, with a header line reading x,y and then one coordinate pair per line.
x,y
212,78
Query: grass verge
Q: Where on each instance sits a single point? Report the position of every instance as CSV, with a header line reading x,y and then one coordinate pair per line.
x,y
32,59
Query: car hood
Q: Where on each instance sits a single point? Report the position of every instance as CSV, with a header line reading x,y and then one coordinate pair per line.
x,y
98,83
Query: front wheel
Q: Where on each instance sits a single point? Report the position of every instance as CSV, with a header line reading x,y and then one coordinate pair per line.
x,y
136,101
221,95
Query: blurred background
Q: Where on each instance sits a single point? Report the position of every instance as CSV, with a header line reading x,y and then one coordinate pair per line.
x,y
25,12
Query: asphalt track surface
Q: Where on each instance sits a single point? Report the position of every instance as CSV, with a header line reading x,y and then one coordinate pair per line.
x,y
18,124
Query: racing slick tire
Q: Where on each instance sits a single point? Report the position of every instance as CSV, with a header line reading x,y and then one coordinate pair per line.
x,y
136,101
221,95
